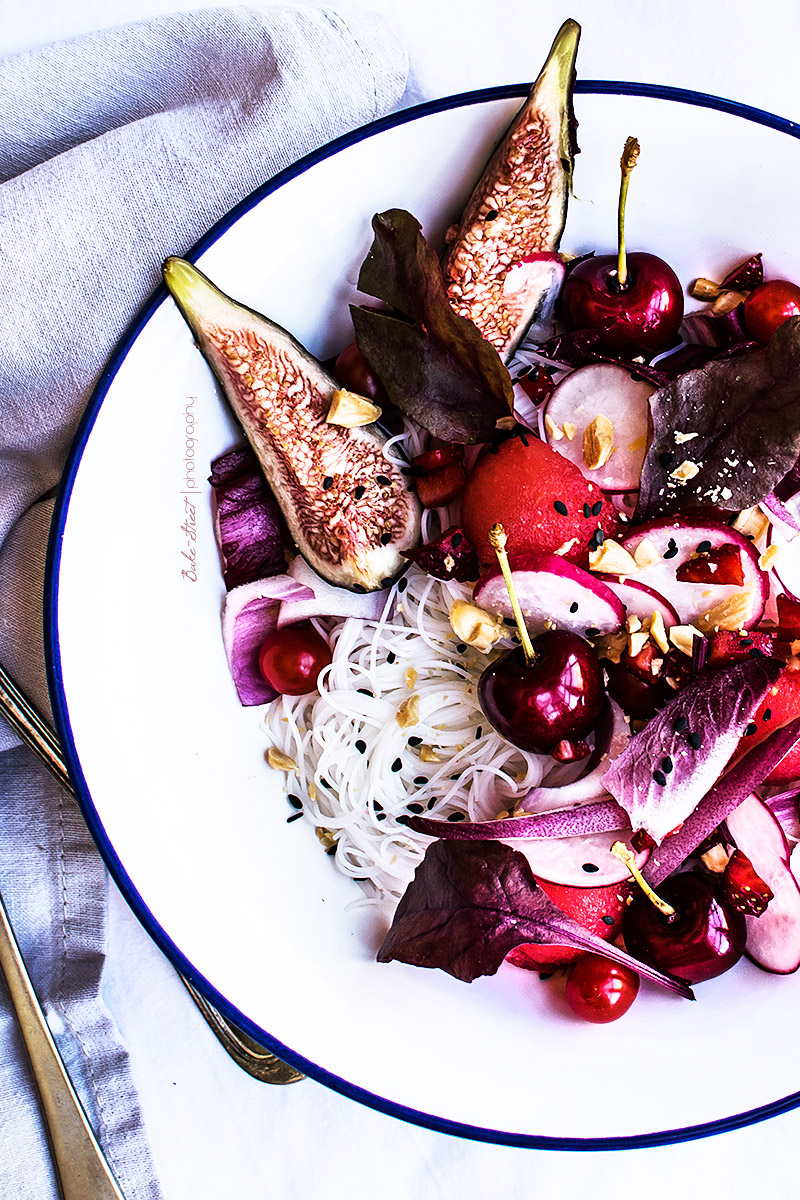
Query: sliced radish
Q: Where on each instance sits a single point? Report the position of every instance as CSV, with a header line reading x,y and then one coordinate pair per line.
x,y
550,589
674,540
326,600
577,861
588,787
786,566
773,939
613,392
530,290
639,600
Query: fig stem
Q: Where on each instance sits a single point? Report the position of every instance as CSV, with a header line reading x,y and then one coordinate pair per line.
x,y
497,540
626,856
630,154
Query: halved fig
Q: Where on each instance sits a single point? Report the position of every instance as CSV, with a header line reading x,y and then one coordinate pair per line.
x,y
518,208
346,505
551,591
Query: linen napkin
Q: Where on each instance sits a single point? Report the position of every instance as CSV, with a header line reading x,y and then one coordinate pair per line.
x,y
116,150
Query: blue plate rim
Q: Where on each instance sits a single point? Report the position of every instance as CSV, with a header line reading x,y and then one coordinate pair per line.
x,y
56,684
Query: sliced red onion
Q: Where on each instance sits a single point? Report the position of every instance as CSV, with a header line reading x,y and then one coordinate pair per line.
x,y
743,778
249,614
322,599
778,509
247,519
563,822
784,807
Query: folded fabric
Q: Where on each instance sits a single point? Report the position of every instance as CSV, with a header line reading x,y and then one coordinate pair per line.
x,y
116,150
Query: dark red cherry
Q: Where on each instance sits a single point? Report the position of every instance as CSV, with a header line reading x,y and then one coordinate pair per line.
x,y
703,939
642,318
558,697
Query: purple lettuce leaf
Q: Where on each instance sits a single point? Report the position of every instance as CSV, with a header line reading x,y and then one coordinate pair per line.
x,y
667,767
746,413
735,786
470,903
249,614
434,364
247,520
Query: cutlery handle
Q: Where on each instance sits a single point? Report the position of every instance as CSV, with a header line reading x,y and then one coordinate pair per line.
x,y
81,1166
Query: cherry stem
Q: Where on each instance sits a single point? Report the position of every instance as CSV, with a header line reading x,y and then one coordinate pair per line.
x,y
626,856
497,539
628,161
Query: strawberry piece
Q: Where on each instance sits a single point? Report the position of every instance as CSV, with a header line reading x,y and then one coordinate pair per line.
x,y
788,617
745,277
642,663
728,646
780,706
722,564
567,751
742,888
450,556
598,909
543,501
442,486
442,454
537,384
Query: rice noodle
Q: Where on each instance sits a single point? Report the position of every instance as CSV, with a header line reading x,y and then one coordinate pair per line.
x,y
358,771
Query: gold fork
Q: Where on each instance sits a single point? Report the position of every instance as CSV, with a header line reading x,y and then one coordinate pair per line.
x,y
252,1057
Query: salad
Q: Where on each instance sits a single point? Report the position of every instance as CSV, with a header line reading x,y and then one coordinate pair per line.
x,y
532,665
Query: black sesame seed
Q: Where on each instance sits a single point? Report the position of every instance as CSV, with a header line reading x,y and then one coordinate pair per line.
x,y
416,808
509,621
397,765
377,806
359,492
415,741
461,647
750,729
408,471
365,692
457,816
361,746
479,731
672,549
746,641
660,778
668,460
383,480
545,975
421,780
573,608
599,536
694,740
494,448
380,816
391,657
592,632
608,920
327,482
666,764
456,540
587,512
295,801
756,653
331,851
323,781
402,585
680,724
293,817
403,819
590,868
560,507
597,508
767,714
704,547
491,215
385,539
524,439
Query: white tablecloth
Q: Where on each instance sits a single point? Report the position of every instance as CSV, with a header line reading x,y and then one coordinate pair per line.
x,y
214,1132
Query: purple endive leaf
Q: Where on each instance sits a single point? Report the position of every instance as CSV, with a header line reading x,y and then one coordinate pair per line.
x,y
247,520
249,614
668,766
470,903
735,786
564,822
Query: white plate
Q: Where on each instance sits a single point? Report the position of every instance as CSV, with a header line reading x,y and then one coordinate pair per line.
x,y
170,769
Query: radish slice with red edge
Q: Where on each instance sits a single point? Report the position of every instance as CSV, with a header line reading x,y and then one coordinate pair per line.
x,y
674,540
622,397
578,861
639,600
773,939
550,589
786,566
530,290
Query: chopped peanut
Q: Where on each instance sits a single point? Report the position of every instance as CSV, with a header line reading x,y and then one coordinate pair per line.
x,y
280,761
598,442
474,625
349,410
612,558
